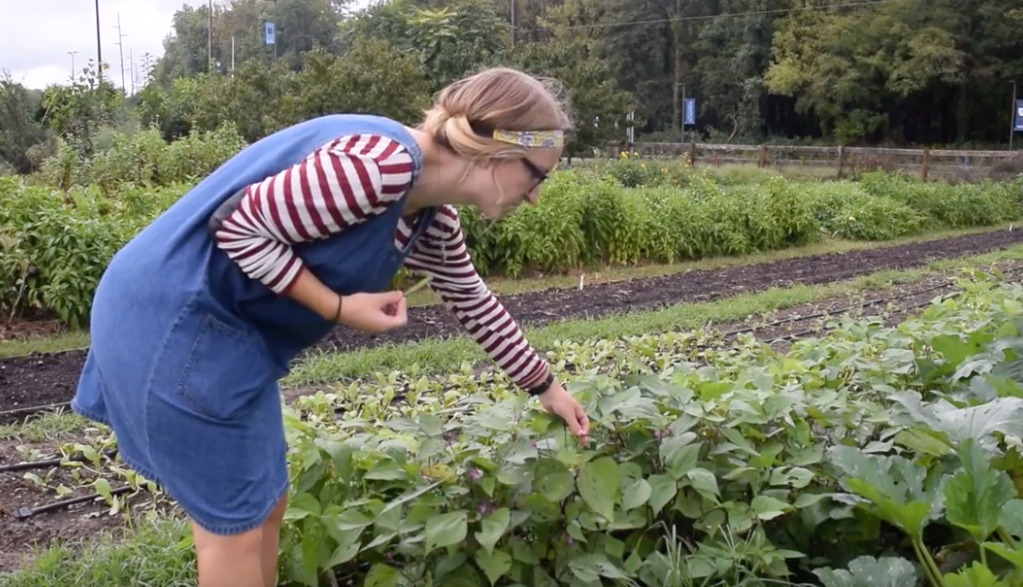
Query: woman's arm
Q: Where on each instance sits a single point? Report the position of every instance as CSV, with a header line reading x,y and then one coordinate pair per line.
x,y
345,182
441,253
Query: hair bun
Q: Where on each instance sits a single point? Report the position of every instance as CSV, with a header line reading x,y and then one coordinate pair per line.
x,y
466,113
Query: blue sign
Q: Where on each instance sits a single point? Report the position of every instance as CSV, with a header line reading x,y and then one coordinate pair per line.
x,y
270,33
690,111
1018,126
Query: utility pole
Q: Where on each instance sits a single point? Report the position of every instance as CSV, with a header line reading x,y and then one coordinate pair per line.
x,y
209,41
131,69
72,54
99,48
514,21
678,107
1012,119
120,47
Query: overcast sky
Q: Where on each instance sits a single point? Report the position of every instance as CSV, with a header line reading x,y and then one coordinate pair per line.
x,y
39,34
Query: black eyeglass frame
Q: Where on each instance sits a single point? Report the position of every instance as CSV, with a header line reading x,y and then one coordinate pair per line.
x,y
484,130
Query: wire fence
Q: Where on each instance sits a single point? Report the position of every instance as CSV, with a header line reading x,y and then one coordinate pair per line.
x,y
838,161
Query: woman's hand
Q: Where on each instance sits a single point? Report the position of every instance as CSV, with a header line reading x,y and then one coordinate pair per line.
x,y
374,312
557,401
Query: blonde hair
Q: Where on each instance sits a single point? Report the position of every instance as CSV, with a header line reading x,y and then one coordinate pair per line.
x,y
466,113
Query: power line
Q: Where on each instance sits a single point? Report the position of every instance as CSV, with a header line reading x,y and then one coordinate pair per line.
x,y
714,16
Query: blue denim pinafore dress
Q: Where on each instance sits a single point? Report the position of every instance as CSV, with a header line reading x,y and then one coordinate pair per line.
x,y
186,350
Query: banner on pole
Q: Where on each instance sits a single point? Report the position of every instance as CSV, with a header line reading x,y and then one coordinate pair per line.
x,y
1018,125
690,111
270,33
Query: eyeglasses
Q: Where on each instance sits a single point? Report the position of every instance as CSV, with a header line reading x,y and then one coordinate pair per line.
x,y
539,174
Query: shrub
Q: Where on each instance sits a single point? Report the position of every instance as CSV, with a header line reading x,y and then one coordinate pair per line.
x,y
56,243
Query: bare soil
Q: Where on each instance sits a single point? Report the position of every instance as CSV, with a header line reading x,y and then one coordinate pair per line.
x,y
43,379
20,538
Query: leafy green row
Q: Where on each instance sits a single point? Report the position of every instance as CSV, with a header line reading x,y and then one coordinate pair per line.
x,y
55,245
861,459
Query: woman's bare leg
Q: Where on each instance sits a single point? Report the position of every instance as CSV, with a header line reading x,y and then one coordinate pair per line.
x,y
229,561
271,542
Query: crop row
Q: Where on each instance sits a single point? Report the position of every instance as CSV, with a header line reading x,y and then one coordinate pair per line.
x,y
862,455
55,244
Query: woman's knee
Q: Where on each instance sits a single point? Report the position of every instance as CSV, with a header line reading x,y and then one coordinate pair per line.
x,y
208,544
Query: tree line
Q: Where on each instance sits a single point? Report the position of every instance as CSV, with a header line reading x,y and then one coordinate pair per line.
x,y
896,72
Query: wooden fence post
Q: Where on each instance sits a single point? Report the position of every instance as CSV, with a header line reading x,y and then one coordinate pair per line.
x,y
923,168
841,160
692,153
762,163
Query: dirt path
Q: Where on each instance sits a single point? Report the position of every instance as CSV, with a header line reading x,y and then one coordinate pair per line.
x,y
51,378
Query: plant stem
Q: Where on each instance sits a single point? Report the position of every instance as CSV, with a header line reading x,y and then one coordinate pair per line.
x,y
1007,538
931,569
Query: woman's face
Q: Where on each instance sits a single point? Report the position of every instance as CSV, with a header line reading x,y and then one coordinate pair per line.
x,y
499,188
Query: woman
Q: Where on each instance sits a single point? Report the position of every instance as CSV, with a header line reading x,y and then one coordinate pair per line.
x,y
196,318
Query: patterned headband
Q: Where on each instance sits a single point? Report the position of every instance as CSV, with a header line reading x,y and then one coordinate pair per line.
x,y
531,139
525,138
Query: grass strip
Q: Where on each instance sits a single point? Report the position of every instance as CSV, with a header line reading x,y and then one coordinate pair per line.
x,y
155,551
591,275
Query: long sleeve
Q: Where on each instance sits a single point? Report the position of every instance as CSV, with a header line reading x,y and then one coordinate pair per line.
x,y
441,253
343,183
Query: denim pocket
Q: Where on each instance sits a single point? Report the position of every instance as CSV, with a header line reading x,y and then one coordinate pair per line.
x,y
226,371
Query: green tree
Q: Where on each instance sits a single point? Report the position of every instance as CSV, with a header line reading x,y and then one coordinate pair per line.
x,y
19,131
450,40
372,77
595,100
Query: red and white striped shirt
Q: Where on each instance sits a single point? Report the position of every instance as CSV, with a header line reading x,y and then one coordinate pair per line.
x,y
351,180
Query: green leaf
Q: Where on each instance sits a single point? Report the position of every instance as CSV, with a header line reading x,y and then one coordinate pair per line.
x,y
341,454
1003,414
1013,556
974,496
893,486
679,455
303,505
102,487
600,485
975,575
591,567
768,508
1011,518
464,576
381,575
351,520
636,494
386,470
796,477
705,483
663,489
923,441
492,528
430,424
494,564
553,480
866,571
446,530
342,554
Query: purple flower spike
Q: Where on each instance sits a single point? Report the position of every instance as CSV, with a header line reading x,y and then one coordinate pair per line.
x,y
475,474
